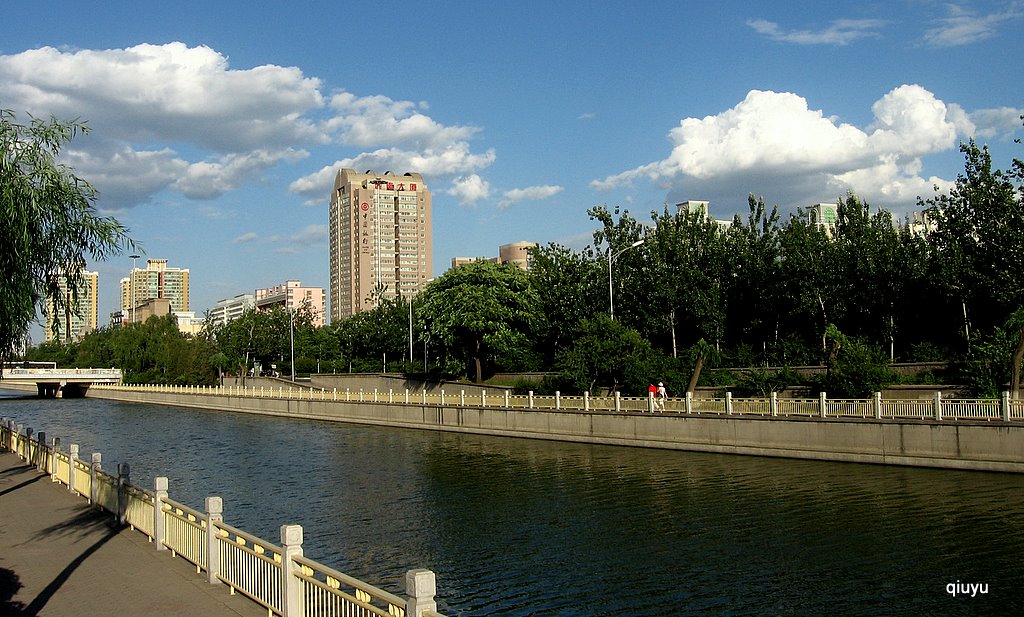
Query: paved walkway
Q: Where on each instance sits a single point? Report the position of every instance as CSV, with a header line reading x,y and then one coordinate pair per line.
x,y
60,557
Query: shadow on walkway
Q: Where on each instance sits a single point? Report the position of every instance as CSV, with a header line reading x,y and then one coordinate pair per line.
x,y
44,596
23,484
10,584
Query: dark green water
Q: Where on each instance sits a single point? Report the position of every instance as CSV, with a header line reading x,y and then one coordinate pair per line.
x,y
521,527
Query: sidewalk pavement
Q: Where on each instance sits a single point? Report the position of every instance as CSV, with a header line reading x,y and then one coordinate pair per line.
x,y
60,557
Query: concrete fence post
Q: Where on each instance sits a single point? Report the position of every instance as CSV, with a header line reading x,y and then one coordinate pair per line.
x,y
558,399
42,458
689,402
462,398
877,404
508,399
650,402
214,516
442,397
72,464
618,402
424,392
728,403
531,398
483,398
123,480
822,404
391,395
375,395
94,469
938,406
159,497
28,458
16,439
54,450
773,403
1004,406
407,396
291,590
586,401
420,587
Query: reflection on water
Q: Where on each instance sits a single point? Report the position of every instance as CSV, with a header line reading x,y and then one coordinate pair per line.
x,y
519,527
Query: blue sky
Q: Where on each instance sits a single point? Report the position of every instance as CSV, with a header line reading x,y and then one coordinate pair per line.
x,y
217,126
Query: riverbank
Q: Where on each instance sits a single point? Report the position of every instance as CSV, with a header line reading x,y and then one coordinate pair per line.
x,y
969,445
64,557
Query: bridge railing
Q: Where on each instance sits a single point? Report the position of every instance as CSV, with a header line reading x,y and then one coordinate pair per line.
x,y
277,577
55,373
936,408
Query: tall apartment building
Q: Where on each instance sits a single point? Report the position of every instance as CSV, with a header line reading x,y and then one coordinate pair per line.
x,y
292,295
381,241
230,309
155,281
74,322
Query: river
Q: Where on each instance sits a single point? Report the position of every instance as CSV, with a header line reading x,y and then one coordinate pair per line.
x,y
517,527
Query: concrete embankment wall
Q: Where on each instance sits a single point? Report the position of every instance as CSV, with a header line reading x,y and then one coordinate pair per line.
x,y
990,446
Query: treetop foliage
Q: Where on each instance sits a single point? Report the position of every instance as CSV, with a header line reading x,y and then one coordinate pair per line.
x,y
49,222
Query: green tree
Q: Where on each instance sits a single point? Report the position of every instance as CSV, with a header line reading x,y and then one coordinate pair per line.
x,y
811,289
568,283
49,223
618,232
482,315
256,338
753,277
869,258
371,336
978,243
683,280
608,354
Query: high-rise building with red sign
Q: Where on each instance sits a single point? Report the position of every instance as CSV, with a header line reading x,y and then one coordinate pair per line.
x,y
381,241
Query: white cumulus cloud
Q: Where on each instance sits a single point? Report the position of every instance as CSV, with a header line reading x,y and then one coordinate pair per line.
x,y
531,193
172,91
452,160
210,179
377,120
469,189
179,118
775,140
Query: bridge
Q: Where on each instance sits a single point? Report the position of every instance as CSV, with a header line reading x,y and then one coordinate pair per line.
x,y
51,382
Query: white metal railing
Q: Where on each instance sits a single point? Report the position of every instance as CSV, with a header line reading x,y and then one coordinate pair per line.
x,y
278,577
329,592
249,565
139,510
938,408
184,532
58,373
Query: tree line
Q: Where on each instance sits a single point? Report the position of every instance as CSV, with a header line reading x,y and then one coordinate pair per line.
x,y
765,293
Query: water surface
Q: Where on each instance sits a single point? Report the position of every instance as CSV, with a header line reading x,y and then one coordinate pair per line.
x,y
518,527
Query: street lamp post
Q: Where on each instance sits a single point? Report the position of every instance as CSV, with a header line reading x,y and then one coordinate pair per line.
x,y
291,336
131,284
611,258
